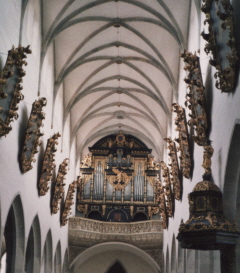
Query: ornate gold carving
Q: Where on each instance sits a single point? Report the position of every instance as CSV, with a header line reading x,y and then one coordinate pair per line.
x,y
219,17
83,208
167,189
207,162
86,178
59,186
152,210
10,87
120,138
145,235
195,99
183,140
151,180
174,168
33,134
208,222
206,186
68,203
87,161
120,181
48,164
160,199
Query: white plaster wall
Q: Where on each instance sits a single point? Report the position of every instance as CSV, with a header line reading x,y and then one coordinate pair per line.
x,y
224,111
12,181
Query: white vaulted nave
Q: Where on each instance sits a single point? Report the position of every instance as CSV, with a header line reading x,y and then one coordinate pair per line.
x,y
119,136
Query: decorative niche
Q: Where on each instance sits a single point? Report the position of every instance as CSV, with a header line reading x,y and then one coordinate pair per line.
x,y
48,164
68,203
59,185
10,87
221,42
182,140
195,98
33,134
174,168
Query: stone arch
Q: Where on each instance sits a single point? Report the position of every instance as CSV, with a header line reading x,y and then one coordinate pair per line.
x,y
167,261
14,237
124,216
116,268
57,259
33,251
65,268
140,216
173,255
128,255
231,190
96,215
47,254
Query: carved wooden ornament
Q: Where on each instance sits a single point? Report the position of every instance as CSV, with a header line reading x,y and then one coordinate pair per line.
x,y
195,98
10,87
59,185
68,203
166,184
160,199
48,164
33,134
120,181
219,17
183,140
174,169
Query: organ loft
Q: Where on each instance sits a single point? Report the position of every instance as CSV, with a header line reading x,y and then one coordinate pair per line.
x,y
117,181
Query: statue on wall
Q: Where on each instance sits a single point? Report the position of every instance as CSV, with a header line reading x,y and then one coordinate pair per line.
x,y
207,154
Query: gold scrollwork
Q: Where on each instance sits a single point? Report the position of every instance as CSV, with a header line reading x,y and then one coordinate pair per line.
x,y
151,180
87,161
167,189
86,178
68,203
33,134
221,9
48,164
207,162
195,98
10,87
160,199
59,186
183,140
174,168
120,181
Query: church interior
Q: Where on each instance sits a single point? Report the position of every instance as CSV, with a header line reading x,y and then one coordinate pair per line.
x,y
119,136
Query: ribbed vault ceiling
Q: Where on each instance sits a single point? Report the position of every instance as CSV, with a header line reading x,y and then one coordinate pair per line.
x,y
117,63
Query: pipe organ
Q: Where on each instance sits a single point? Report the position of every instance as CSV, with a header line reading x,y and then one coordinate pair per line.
x,y
117,180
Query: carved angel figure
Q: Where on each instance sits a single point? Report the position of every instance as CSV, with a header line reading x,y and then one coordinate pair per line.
x,y
207,162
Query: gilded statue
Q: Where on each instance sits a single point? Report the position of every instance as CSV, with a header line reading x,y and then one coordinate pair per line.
x,y
87,161
207,162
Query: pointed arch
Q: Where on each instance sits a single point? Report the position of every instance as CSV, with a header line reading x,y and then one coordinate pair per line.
x,y
173,255
65,268
47,254
116,268
14,236
33,251
58,259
